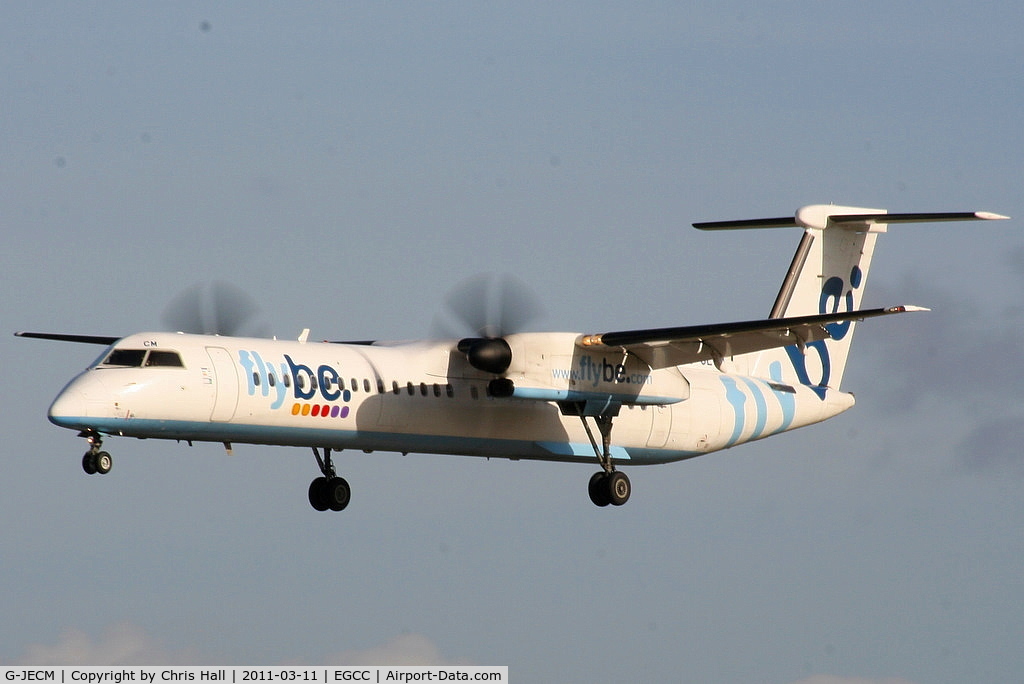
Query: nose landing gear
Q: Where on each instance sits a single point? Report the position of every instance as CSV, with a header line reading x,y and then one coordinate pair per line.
x,y
95,461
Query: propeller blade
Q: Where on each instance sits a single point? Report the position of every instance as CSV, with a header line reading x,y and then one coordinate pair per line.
x,y
466,303
517,305
217,309
486,305
184,313
233,308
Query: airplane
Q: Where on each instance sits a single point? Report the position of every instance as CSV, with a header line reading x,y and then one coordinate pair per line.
x,y
614,399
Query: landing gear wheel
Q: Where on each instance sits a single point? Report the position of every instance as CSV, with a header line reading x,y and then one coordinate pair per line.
x,y
104,463
329,491
598,489
95,461
338,493
619,488
318,494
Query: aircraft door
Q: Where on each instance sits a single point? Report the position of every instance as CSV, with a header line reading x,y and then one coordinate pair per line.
x,y
661,426
225,385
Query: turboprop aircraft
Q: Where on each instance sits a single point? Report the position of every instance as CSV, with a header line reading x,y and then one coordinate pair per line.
x,y
629,397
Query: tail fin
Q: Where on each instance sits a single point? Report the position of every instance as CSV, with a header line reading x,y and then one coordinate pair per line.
x,y
827,275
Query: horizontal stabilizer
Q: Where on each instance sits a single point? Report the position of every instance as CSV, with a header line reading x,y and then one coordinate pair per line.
x,y
934,217
820,216
784,222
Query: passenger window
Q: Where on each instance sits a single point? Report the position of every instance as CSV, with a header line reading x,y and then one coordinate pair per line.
x,y
164,358
255,378
380,386
449,390
300,382
355,386
270,379
287,380
366,385
423,388
437,390
394,386
408,386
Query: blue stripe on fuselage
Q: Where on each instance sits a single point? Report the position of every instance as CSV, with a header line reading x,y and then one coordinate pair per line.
x,y
736,398
374,441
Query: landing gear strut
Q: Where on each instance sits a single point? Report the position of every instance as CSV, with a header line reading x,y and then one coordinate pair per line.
x,y
95,461
328,491
607,486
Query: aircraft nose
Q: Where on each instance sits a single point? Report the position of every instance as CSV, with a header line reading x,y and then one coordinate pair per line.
x,y
69,409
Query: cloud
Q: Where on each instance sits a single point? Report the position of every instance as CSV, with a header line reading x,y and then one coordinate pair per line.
x,y
1015,260
122,644
955,350
403,650
129,644
959,359
994,446
835,679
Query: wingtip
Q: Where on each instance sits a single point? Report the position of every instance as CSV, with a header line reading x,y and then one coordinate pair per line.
x,y
907,308
990,216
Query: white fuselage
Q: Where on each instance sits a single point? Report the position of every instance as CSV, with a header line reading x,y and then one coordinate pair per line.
x,y
424,397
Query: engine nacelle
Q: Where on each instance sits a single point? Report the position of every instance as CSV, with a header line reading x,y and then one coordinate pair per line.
x,y
501,388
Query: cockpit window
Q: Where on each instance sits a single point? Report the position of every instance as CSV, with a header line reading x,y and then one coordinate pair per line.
x,y
130,358
137,358
163,358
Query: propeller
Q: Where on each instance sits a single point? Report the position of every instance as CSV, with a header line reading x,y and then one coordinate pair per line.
x,y
488,307
217,308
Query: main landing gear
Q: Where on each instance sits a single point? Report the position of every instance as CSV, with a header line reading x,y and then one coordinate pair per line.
x,y
329,491
607,486
95,461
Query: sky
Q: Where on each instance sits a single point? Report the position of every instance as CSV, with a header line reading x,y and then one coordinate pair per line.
x,y
347,164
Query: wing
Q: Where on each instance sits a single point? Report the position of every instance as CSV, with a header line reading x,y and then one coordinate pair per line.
x,y
665,347
62,337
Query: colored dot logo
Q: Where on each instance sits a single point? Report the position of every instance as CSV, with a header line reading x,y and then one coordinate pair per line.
x,y
320,410
323,410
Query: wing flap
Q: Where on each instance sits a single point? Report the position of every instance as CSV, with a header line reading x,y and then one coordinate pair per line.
x,y
665,347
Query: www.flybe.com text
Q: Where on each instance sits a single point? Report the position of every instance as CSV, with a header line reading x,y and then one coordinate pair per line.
x,y
589,371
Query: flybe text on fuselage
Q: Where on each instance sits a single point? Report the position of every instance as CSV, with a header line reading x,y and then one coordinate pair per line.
x,y
274,380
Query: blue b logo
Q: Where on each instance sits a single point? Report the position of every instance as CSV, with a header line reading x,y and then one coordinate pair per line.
x,y
835,298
